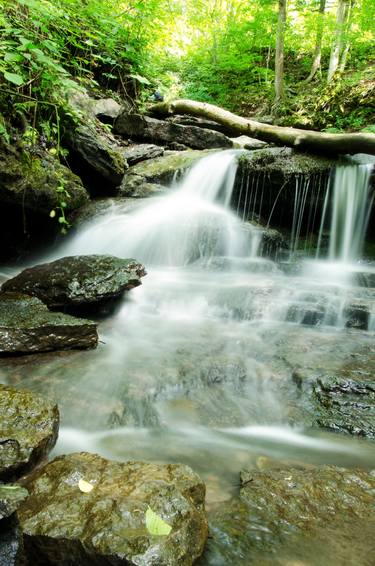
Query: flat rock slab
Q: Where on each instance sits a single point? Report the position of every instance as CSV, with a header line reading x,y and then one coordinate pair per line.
x,y
27,326
28,431
63,525
317,516
142,152
78,280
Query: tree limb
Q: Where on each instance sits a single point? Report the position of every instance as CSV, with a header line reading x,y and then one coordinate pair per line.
x,y
310,140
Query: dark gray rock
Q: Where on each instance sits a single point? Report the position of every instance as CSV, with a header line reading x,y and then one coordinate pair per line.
x,y
78,281
27,326
28,431
161,131
141,152
35,184
64,526
99,151
346,404
11,542
106,109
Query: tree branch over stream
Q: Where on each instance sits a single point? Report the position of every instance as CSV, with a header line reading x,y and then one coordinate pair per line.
x,y
310,140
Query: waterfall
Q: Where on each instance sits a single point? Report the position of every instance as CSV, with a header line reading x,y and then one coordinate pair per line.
x,y
348,201
192,223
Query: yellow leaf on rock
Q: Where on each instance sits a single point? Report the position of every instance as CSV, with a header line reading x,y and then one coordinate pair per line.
x,y
85,486
156,525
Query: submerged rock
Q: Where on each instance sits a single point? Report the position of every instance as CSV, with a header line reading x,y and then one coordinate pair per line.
x,y
346,405
159,171
160,131
28,431
27,326
107,524
78,281
291,515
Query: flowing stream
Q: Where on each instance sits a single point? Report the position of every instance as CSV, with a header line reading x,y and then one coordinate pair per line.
x,y
197,366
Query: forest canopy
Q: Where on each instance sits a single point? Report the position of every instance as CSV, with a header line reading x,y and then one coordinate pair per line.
x,y
232,53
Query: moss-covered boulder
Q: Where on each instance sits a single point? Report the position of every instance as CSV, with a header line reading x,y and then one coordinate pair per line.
x,y
159,171
27,326
38,182
78,281
296,515
11,496
28,431
68,522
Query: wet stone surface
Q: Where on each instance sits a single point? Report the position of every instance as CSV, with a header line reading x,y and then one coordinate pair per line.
x,y
78,280
63,525
322,515
28,431
27,326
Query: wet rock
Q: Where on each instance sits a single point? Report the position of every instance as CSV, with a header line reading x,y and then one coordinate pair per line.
x,y
11,542
357,316
11,496
346,405
62,525
141,152
28,431
290,515
27,326
99,151
101,206
78,281
272,243
159,171
144,128
34,183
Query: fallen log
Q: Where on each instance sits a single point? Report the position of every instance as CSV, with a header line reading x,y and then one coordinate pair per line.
x,y
321,142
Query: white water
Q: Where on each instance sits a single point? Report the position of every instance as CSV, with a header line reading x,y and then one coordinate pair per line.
x,y
347,205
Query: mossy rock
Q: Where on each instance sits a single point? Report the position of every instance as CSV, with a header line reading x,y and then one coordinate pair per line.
x,y
28,431
38,182
78,280
63,525
27,326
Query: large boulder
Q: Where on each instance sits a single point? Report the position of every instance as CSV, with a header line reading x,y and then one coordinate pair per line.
x,y
27,326
78,281
296,515
39,184
144,128
28,431
99,151
141,179
103,521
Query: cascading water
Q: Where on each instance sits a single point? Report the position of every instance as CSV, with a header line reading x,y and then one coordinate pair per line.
x,y
197,365
350,202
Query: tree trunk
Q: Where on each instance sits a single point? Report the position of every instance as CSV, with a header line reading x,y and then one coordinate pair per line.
x,y
319,142
318,42
344,55
279,56
341,17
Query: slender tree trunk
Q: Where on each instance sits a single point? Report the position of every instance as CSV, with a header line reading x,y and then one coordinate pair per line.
x,y
318,42
341,17
345,52
320,142
279,56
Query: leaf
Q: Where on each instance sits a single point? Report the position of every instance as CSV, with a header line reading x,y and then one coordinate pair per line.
x,y
85,486
52,213
155,524
13,78
12,57
140,79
